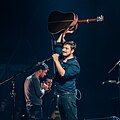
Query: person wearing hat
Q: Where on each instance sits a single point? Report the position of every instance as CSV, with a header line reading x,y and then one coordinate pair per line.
x,y
34,90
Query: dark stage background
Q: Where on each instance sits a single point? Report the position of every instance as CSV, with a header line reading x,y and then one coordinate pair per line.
x,y
25,39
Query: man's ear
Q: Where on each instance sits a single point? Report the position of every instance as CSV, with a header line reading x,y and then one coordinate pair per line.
x,y
72,51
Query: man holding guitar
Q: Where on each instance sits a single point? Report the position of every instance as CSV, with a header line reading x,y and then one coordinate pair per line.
x,y
67,68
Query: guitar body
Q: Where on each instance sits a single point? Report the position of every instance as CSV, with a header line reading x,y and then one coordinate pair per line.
x,y
58,21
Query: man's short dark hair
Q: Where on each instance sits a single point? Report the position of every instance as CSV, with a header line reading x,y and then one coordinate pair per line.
x,y
42,66
71,43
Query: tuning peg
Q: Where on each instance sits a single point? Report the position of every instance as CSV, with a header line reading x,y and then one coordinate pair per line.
x,y
100,18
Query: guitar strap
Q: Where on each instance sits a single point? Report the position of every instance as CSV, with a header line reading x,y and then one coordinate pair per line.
x,y
73,26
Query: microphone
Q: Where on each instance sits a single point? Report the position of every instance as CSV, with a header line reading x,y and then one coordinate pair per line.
x,y
46,60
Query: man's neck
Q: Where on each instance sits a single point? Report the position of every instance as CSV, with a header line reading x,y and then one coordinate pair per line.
x,y
67,58
36,75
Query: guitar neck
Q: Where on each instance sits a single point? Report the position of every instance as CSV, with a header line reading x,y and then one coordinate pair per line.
x,y
87,20
98,19
79,21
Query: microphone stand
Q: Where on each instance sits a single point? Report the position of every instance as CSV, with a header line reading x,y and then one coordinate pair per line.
x,y
56,97
13,96
118,81
113,81
118,63
52,43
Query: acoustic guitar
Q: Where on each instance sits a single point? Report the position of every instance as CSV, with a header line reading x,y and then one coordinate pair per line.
x,y
59,21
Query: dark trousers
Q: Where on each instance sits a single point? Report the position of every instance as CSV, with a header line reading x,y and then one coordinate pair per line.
x,y
34,112
67,106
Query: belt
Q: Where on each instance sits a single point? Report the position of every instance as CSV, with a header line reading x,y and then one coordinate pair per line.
x,y
66,93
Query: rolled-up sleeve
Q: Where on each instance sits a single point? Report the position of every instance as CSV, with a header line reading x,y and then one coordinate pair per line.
x,y
71,71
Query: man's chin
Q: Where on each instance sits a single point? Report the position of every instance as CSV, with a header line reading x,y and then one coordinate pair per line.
x,y
65,56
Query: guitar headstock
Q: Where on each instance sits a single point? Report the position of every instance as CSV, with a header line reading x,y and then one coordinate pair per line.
x,y
100,18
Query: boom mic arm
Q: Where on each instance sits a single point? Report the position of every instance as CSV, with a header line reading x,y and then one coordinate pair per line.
x,y
46,60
